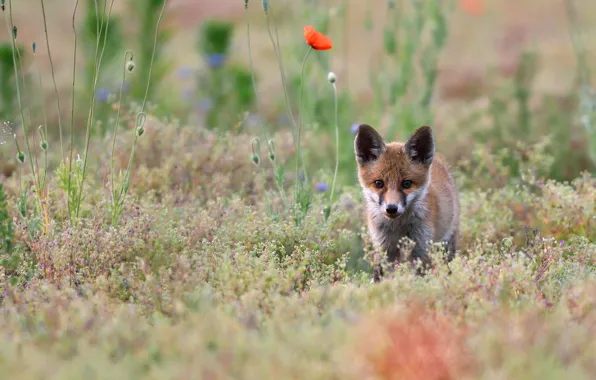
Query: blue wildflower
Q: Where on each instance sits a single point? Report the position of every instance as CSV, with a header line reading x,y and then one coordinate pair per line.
x,y
185,72
216,60
205,104
102,94
301,176
322,186
562,243
125,87
354,128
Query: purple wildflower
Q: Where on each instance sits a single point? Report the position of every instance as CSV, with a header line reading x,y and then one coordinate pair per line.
x,y
216,60
283,119
102,94
562,243
187,93
4,294
301,176
354,128
322,186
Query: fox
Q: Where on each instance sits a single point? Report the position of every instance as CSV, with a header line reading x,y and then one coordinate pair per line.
x,y
408,191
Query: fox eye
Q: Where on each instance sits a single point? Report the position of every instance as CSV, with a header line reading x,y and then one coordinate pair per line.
x,y
406,184
379,184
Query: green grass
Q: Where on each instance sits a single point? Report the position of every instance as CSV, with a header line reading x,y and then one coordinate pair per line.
x,y
198,262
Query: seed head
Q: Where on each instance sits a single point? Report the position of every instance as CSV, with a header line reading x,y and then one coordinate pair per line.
x,y
21,157
271,147
331,78
130,66
256,151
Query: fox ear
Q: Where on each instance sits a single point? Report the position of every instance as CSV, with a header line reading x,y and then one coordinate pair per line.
x,y
420,147
368,144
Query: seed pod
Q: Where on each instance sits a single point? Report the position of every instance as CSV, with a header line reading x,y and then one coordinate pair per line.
x,y
256,151
271,147
255,159
331,77
130,66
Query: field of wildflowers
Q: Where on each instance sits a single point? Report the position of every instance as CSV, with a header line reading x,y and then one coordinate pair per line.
x,y
178,190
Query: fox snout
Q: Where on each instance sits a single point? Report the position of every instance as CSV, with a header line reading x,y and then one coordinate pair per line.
x,y
394,205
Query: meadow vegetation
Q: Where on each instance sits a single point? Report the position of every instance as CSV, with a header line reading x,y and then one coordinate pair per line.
x,y
215,229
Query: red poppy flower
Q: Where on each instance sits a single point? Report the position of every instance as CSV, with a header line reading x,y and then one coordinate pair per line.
x,y
316,40
473,7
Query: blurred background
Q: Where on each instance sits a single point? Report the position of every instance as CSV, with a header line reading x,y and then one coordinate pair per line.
x,y
504,75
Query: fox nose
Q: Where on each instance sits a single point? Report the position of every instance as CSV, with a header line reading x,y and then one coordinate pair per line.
x,y
391,209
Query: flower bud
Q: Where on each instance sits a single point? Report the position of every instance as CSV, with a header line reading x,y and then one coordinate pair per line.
x,y
21,157
14,31
33,46
255,159
130,66
140,131
44,145
265,4
331,78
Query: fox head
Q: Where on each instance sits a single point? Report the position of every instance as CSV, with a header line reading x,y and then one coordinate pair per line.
x,y
393,176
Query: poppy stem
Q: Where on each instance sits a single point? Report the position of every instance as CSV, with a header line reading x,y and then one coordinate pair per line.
x,y
298,148
254,85
336,146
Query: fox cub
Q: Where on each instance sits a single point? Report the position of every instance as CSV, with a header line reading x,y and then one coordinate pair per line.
x,y
409,192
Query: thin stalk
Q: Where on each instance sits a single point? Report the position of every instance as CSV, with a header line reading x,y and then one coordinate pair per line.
x,y
153,54
254,85
336,146
283,77
45,117
27,95
267,201
140,120
9,27
298,150
118,124
72,113
43,11
91,111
